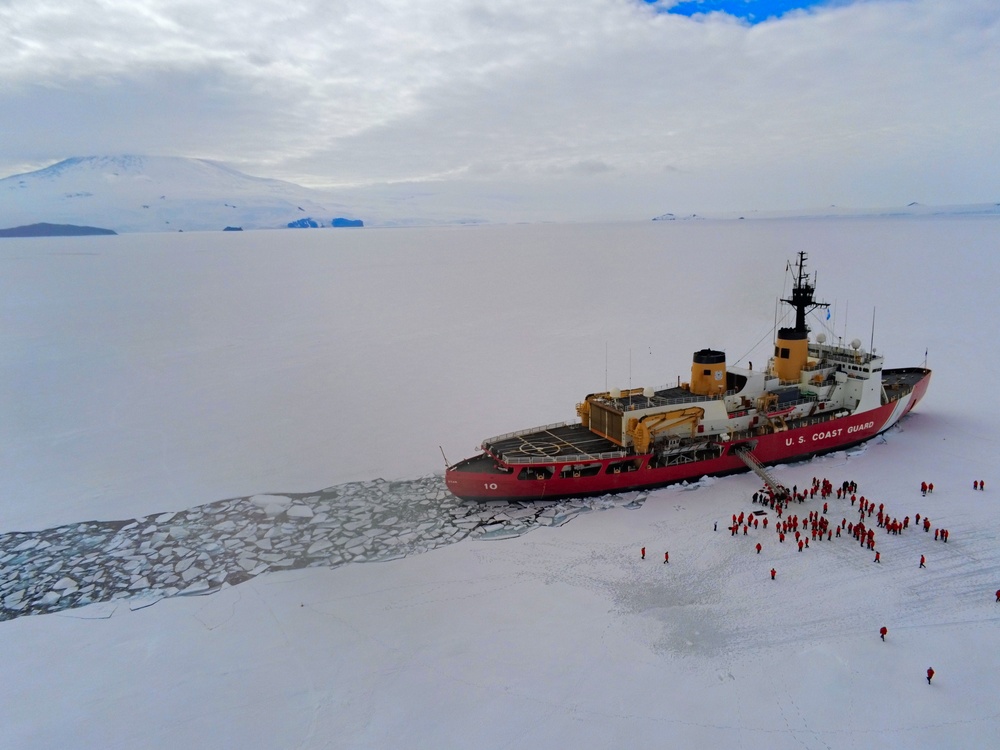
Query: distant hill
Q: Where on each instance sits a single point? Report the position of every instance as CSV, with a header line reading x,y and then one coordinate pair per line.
x,y
53,230
157,194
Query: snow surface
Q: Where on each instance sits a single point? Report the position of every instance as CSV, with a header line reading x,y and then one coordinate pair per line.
x,y
155,373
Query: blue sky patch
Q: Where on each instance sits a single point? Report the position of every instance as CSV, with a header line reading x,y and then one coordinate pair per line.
x,y
752,11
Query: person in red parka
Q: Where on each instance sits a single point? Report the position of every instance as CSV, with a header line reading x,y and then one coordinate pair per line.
x,y
758,548
666,557
922,561
998,595
883,631
773,573
643,553
930,674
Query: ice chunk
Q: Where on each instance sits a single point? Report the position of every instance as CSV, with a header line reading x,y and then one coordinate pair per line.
x,y
145,599
196,588
263,501
319,546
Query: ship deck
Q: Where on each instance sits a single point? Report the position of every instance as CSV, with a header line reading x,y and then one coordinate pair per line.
x,y
552,443
903,378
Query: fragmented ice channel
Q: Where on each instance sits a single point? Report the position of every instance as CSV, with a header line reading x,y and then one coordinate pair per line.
x,y
202,549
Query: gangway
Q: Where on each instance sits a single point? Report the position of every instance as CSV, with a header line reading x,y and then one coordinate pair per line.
x,y
745,454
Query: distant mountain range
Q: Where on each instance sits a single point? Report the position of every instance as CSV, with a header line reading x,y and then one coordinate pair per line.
x,y
160,194
911,209
172,193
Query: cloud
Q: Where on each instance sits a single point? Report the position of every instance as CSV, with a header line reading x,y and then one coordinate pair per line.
x,y
845,104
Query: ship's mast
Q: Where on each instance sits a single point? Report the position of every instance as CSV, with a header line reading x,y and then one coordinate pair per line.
x,y
802,297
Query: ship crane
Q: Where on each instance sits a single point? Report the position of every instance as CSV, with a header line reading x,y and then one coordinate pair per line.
x,y
643,431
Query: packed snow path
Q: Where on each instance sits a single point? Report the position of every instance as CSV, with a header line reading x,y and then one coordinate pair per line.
x,y
200,550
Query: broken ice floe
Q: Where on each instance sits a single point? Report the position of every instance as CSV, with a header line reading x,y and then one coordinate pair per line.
x,y
200,550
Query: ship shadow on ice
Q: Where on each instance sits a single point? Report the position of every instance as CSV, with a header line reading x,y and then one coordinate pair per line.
x,y
201,550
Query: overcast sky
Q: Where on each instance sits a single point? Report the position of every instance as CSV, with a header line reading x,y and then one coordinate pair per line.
x,y
543,110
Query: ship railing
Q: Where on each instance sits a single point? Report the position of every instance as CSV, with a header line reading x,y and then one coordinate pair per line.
x,y
808,398
844,356
530,430
644,402
579,458
793,423
824,365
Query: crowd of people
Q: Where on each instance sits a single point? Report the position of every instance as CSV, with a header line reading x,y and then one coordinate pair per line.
x,y
817,526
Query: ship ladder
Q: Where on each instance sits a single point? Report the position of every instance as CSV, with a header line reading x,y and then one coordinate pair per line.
x,y
745,455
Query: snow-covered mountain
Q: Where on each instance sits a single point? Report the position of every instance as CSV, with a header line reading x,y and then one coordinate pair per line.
x,y
158,194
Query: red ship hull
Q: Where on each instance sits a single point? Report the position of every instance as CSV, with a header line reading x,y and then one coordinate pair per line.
x,y
497,482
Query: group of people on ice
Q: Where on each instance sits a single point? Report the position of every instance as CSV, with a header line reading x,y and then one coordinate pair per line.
x,y
816,526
